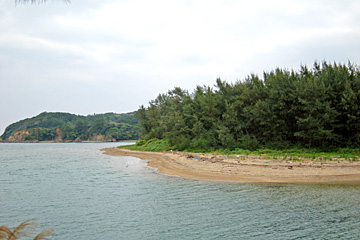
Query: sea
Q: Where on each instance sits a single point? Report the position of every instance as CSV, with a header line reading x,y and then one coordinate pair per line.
x,y
82,193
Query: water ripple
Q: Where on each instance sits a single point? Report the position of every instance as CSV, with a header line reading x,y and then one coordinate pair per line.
x,y
87,195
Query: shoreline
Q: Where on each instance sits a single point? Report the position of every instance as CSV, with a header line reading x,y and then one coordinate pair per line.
x,y
245,168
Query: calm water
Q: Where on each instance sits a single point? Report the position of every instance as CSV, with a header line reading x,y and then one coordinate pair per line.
x,y
85,194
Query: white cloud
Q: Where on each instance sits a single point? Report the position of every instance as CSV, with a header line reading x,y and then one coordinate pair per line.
x,y
115,55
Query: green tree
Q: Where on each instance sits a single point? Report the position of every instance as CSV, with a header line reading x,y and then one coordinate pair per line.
x,y
68,133
98,127
315,116
82,129
316,107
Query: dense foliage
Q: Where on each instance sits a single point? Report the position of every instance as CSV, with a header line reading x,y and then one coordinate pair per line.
x,y
317,107
70,127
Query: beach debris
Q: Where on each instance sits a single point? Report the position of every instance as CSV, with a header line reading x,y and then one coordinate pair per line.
x,y
188,155
196,157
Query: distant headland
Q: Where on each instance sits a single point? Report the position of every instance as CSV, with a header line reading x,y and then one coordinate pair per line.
x,y
67,127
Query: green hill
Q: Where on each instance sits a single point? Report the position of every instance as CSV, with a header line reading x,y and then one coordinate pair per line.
x,y
70,127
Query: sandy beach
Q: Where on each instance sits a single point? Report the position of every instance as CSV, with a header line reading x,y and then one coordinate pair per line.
x,y
245,168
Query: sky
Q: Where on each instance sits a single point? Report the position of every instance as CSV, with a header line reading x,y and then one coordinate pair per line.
x,y
91,56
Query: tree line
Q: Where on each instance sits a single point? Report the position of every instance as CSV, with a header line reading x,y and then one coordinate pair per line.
x,y
316,107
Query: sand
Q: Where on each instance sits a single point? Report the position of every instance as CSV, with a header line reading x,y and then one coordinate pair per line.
x,y
244,168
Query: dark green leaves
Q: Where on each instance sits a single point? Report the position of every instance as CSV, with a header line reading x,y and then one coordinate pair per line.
x,y
316,107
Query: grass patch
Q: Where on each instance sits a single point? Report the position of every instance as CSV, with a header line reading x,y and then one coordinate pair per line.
x,y
152,145
296,154
292,154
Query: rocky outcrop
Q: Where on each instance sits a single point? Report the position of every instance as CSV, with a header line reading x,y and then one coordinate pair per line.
x,y
18,136
58,137
102,138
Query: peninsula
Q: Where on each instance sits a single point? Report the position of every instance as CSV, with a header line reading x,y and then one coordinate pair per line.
x,y
289,126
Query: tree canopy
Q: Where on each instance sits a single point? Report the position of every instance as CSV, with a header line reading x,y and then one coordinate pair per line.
x,y
313,107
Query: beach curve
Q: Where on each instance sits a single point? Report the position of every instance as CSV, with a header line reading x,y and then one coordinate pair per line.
x,y
244,168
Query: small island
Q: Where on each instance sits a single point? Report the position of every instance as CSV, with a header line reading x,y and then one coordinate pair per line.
x,y
66,127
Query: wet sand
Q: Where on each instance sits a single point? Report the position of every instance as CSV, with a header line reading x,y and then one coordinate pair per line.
x,y
245,168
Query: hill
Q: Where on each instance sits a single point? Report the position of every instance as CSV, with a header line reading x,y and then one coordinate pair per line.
x,y
57,126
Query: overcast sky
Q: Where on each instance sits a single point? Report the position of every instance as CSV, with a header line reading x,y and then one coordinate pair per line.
x,y
93,56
